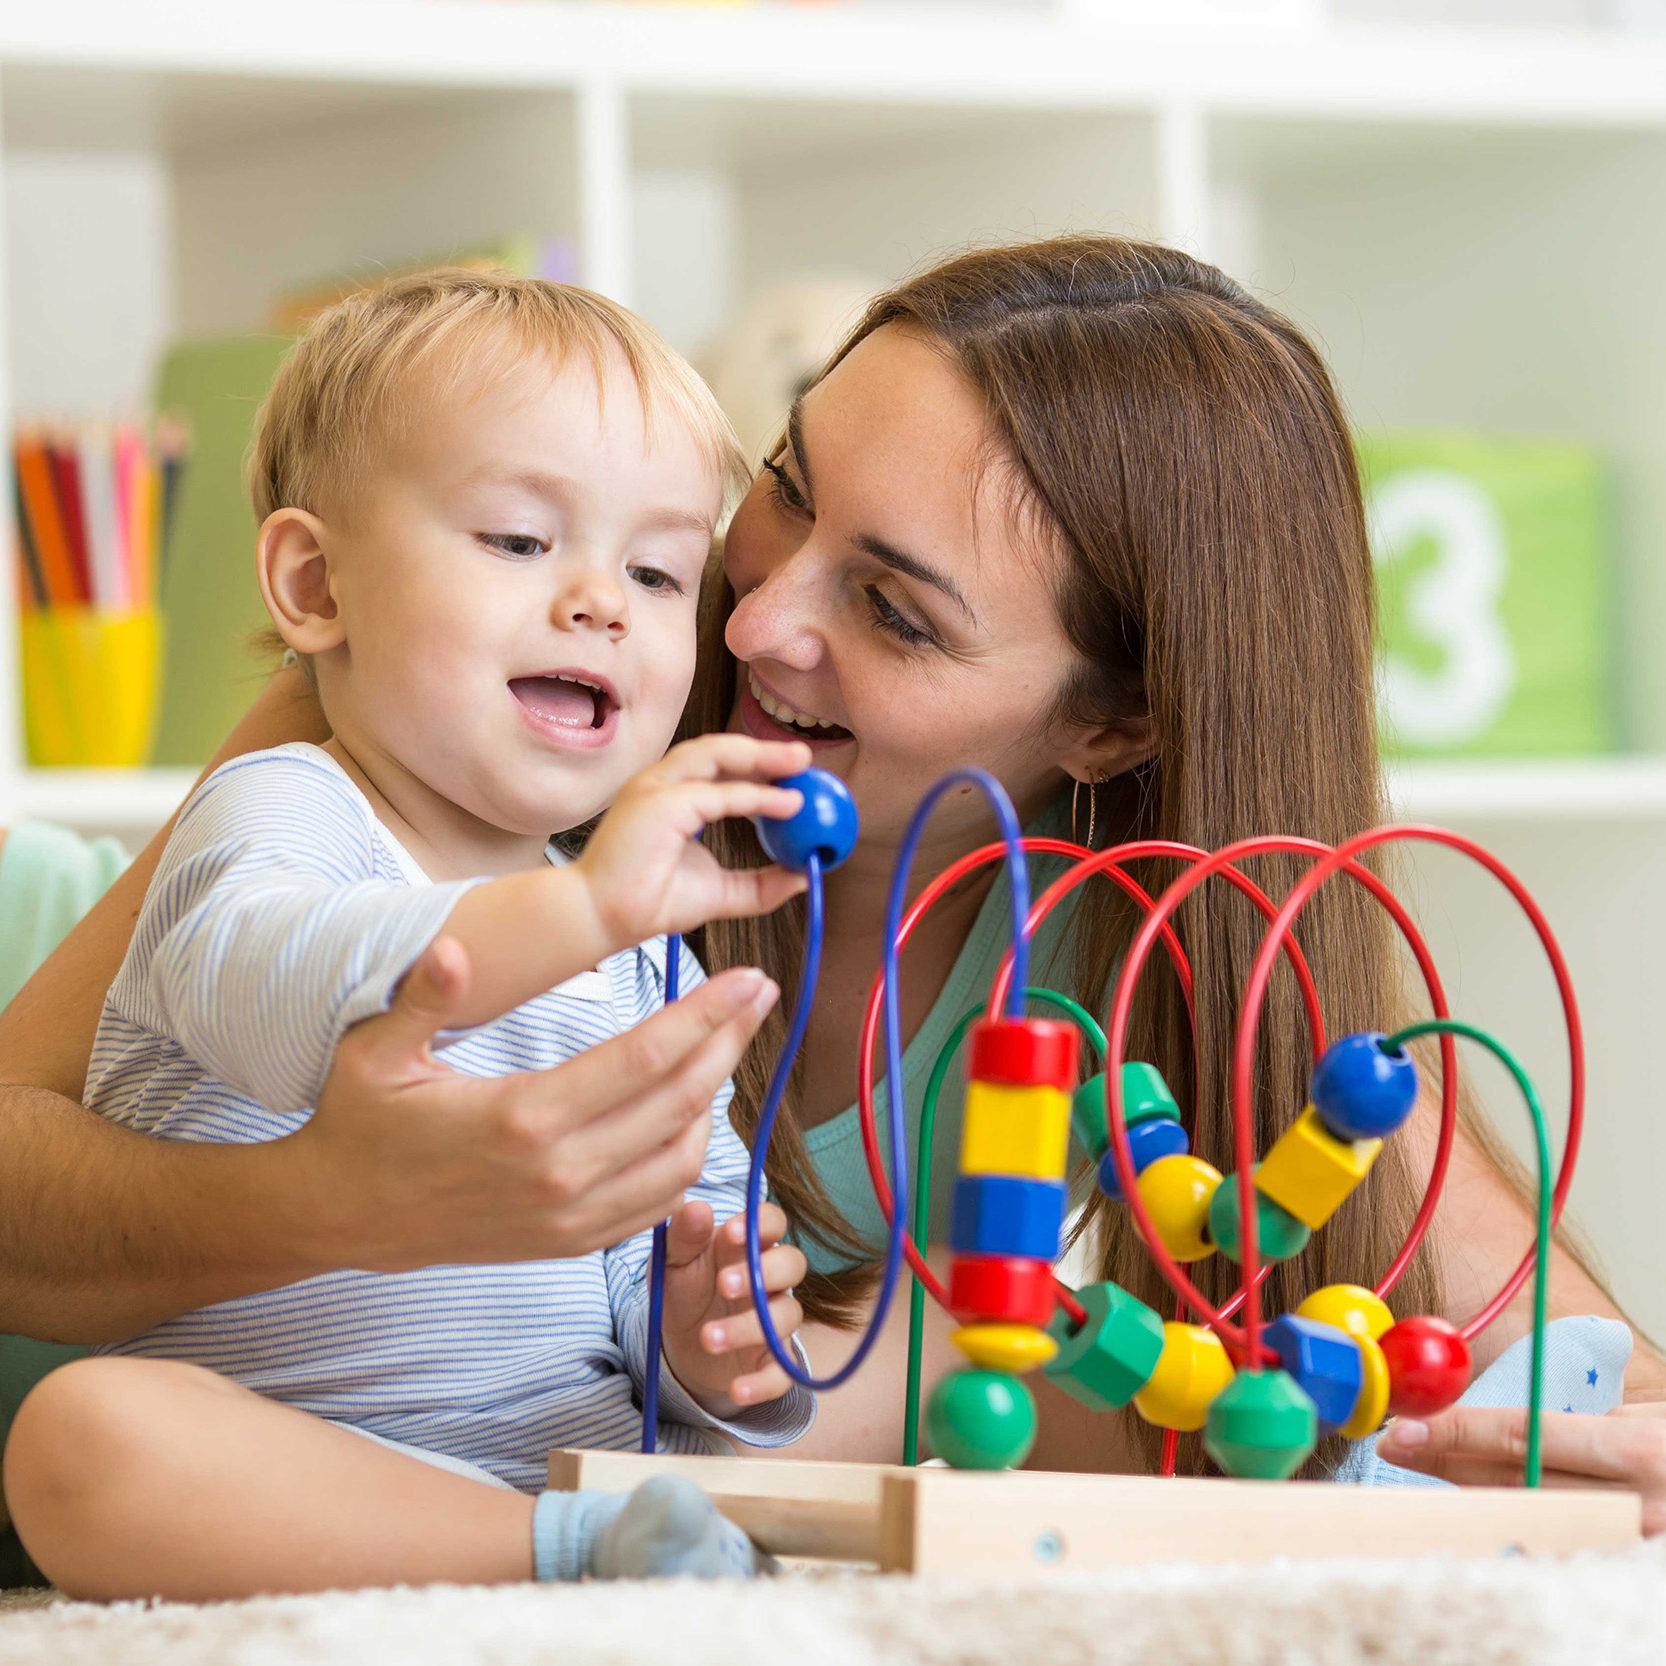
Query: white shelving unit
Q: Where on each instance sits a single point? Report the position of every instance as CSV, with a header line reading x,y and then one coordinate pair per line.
x,y
1469,217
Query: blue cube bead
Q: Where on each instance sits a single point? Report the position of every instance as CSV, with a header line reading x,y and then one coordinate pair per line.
x,y
1147,1141
1325,1361
1002,1214
1362,1090
826,824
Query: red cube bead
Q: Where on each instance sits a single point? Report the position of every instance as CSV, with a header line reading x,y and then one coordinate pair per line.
x,y
1001,1289
1025,1053
1428,1366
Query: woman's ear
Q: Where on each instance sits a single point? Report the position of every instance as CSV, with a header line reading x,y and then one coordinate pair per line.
x,y
292,563
1103,753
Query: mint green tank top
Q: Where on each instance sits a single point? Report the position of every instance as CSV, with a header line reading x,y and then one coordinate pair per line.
x,y
835,1146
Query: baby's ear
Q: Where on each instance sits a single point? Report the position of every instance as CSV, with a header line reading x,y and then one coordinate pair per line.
x,y
293,565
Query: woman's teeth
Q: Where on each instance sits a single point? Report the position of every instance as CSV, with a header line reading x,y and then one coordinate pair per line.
x,y
783,713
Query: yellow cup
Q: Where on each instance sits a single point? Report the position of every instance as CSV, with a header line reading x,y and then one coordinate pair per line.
x,y
90,686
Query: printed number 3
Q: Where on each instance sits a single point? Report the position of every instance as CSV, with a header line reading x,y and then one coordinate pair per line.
x,y
1454,606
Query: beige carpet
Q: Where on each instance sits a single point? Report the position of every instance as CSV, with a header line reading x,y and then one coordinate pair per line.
x,y
1592,1611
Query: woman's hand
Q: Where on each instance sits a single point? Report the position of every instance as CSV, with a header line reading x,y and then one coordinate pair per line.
x,y
713,1341
1483,1446
408,1163
644,866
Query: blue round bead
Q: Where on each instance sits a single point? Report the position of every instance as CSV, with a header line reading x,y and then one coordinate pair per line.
x,y
1361,1090
1147,1141
826,825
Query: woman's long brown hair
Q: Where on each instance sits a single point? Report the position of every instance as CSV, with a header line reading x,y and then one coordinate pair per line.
x,y
1185,448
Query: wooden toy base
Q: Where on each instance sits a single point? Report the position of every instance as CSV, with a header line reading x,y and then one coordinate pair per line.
x,y
942,1520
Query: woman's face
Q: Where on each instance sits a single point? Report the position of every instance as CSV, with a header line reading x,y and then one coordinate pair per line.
x,y
888,589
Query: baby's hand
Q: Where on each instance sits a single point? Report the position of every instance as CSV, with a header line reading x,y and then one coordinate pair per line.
x,y
713,1341
644,866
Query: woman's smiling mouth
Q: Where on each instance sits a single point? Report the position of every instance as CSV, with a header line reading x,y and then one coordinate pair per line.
x,y
768,718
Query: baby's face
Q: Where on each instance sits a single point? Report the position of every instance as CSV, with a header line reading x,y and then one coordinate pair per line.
x,y
518,584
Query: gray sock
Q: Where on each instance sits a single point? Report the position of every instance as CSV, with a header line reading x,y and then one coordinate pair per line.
x,y
669,1527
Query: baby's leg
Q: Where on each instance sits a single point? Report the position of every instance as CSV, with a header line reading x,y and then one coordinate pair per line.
x,y
135,1478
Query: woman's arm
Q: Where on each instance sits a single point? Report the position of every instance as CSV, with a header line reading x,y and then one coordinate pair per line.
x,y
46,1033
1482,1230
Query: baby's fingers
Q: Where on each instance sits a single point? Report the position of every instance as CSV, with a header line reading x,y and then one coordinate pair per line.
x,y
752,1388
744,1329
784,1269
716,800
732,757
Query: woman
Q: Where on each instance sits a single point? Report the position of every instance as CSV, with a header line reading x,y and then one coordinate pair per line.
x,y
1080,513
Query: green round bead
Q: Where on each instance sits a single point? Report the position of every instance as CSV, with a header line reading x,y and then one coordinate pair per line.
x,y
1144,1095
1278,1234
1261,1426
981,1420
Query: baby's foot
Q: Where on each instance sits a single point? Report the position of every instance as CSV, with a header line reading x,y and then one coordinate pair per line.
x,y
669,1527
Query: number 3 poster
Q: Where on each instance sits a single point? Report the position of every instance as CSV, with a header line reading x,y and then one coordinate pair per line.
x,y
1493,595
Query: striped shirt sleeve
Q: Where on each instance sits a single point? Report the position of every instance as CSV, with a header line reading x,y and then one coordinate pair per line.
x,y
267,932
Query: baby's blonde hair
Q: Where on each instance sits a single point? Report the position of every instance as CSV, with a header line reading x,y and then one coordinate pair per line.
x,y
345,387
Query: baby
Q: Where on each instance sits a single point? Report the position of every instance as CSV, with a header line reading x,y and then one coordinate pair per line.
x,y
487,504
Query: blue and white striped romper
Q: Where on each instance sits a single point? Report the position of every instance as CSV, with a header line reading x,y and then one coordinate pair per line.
x,y
281,914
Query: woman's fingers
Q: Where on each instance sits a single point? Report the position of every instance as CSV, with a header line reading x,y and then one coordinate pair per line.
x,y
1468,1441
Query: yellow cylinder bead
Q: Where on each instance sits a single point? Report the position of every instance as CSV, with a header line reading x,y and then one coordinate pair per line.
x,y
1176,1191
1191,1371
1014,1348
1372,1406
1350,1307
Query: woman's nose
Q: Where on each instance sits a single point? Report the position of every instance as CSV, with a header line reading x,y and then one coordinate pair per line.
x,y
778,620
592,599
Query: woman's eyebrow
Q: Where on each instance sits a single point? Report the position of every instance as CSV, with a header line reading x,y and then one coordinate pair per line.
x,y
902,562
795,440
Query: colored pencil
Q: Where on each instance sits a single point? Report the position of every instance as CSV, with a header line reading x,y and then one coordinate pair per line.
x,y
30,581
34,473
66,479
98,498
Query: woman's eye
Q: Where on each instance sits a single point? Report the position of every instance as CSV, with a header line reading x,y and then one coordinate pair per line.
x,y
784,490
521,545
655,579
889,620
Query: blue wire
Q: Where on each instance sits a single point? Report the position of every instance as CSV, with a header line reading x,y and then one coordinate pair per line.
x,y
656,1265
1018,881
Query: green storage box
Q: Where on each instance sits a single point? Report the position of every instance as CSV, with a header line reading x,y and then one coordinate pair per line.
x,y
1493,574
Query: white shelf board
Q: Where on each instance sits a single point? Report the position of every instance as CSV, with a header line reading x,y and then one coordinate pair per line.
x,y
127,799
870,53
1572,789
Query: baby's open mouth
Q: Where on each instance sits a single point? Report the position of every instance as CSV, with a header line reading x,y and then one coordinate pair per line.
x,y
565,698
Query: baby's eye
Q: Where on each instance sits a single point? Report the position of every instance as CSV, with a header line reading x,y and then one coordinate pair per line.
x,y
521,545
656,579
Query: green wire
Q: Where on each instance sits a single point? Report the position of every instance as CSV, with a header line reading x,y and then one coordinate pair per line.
x,y
1541,1269
922,1187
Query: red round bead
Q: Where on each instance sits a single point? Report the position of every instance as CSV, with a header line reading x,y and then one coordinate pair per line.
x,y
1001,1289
1428,1366
1025,1053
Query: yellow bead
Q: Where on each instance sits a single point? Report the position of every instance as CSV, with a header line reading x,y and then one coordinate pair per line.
x,y
1372,1406
1022,1131
1350,1307
1176,1191
1193,1369
1005,1347
1310,1171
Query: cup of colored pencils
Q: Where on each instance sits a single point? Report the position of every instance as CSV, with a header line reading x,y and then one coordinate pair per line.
x,y
94,506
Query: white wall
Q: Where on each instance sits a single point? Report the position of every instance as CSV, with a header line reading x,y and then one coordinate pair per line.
x,y
90,279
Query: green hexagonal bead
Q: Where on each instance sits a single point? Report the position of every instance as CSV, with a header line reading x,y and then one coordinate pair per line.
x,y
1108,1359
1278,1234
981,1420
1144,1095
1261,1426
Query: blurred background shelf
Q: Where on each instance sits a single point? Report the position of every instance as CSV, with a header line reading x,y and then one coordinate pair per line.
x,y
131,803
1575,789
